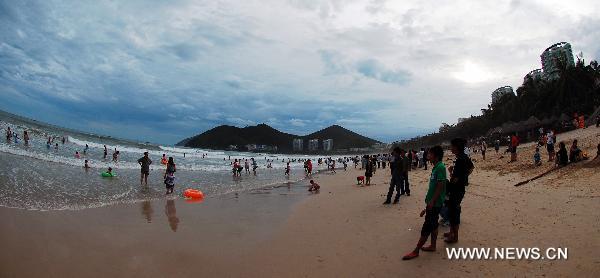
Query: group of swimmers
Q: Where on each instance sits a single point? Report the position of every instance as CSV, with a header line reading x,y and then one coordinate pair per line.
x,y
12,136
238,168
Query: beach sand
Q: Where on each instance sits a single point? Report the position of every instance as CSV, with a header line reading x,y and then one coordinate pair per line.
x,y
343,231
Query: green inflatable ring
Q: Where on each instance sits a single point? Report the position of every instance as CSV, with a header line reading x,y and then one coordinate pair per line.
x,y
108,175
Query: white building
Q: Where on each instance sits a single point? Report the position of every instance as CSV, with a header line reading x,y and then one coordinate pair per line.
x,y
313,145
298,145
328,145
554,57
500,92
251,147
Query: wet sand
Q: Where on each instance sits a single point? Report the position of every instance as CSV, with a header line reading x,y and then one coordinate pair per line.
x,y
344,231
162,238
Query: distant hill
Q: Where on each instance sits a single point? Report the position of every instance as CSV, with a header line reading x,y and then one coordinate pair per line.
x,y
342,138
221,137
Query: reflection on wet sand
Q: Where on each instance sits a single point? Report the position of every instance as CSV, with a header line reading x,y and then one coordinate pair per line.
x,y
171,213
147,210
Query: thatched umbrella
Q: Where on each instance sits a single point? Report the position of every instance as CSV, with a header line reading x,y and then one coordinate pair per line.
x,y
531,123
547,122
591,120
520,126
508,127
564,118
495,130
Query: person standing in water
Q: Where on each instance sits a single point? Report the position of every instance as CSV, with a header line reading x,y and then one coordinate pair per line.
x,y
145,168
254,166
26,137
105,152
8,134
247,166
115,156
170,175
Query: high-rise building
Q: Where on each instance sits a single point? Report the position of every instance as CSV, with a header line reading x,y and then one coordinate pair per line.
x,y
555,57
500,92
313,145
328,145
298,145
535,74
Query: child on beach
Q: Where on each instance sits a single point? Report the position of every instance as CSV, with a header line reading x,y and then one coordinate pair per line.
x,y
287,169
562,158
77,155
314,187
170,182
434,199
169,175
537,158
368,172
85,165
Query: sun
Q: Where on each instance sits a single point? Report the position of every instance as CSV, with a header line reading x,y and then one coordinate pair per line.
x,y
472,73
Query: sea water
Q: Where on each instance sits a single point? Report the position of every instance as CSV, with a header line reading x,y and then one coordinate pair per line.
x,y
40,178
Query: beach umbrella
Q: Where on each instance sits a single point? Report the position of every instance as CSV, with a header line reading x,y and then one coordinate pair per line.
x,y
547,121
531,123
491,131
508,127
591,120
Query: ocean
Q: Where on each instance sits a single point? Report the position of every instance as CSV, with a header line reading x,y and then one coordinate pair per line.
x,y
36,177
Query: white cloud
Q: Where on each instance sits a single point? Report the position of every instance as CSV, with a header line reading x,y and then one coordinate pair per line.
x,y
409,64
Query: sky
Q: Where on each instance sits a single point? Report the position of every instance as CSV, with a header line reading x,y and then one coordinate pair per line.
x,y
161,71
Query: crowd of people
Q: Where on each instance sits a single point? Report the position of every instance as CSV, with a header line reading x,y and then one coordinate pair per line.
x,y
446,187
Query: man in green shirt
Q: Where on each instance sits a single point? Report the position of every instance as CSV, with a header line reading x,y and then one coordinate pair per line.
x,y
434,199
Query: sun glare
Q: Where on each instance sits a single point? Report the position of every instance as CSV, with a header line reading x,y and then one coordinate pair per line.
x,y
472,73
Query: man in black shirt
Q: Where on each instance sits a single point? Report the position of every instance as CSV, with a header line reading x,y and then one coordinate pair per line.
x,y
145,168
459,179
395,183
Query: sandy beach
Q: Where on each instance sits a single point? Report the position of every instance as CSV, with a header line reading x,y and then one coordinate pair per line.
x,y
343,231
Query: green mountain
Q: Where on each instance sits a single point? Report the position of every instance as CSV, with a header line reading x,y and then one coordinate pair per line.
x,y
222,137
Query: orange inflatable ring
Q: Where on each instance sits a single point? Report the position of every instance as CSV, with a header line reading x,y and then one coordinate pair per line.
x,y
163,161
193,193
